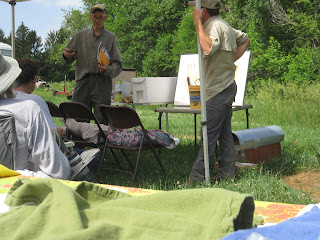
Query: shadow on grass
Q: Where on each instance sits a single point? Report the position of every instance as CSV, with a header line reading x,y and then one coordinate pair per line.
x,y
264,183
177,162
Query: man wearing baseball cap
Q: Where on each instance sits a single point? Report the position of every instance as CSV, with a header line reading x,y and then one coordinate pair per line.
x,y
94,80
222,46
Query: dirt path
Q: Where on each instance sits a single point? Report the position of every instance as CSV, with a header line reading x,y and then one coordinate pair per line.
x,y
307,181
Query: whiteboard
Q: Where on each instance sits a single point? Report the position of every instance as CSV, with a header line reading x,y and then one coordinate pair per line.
x,y
189,67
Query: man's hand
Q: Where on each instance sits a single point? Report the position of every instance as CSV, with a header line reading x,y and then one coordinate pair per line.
x,y
103,67
69,53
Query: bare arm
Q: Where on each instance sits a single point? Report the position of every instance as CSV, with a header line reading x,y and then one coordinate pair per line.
x,y
204,39
241,49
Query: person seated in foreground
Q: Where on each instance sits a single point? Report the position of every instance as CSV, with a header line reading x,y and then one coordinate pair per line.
x,y
37,153
25,85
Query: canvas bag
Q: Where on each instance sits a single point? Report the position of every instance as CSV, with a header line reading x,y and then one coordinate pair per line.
x,y
7,141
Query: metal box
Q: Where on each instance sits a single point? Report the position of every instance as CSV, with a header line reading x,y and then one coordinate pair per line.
x,y
258,144
153,90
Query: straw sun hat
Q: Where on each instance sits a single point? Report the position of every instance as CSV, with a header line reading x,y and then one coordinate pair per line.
x,y
9,71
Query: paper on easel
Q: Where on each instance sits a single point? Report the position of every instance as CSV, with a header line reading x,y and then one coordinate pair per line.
x,y
189,68
103,55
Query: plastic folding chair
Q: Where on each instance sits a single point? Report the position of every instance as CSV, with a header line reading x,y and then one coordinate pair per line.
x,y
81,112
123,117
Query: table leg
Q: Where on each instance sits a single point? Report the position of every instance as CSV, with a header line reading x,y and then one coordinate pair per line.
x,y
159,118
167,122
247,115
195,129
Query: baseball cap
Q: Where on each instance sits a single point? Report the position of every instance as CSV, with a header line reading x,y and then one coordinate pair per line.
x,y
98,7
210,4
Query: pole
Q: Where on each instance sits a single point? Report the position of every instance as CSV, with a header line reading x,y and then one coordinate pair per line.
x,y
13,29
13,32
203,108
65,83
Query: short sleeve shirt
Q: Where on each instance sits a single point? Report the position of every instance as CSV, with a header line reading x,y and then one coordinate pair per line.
x,y
219,63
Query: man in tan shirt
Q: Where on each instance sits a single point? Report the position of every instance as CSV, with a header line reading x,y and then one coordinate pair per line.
x,y
222,46
93,81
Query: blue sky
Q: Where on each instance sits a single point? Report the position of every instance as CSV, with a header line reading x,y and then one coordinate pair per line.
x,y
39,15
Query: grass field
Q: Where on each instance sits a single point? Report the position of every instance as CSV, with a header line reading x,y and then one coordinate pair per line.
x,y
296,109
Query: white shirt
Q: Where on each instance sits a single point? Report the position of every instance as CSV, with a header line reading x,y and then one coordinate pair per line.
x,y
42,104
36,148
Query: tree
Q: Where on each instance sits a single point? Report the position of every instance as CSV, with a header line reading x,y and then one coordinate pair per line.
x,y
277,28
159,61
139,25
2,37
74,21
27,44
51,67
185,38
153,34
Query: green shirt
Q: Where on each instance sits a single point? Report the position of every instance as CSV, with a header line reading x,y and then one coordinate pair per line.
x,y
219,63
86,44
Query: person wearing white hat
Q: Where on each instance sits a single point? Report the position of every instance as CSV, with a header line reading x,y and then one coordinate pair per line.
x,y
37,152
55,149
36,149
222,45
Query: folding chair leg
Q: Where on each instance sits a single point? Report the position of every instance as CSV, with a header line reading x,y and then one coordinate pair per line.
x,y
126,157
158,159
120,171
137,164
102,159
115,157
155,154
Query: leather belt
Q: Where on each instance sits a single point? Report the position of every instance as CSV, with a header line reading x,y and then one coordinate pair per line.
x,y
93,74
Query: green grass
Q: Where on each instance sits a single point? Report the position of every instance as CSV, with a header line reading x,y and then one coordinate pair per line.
x,y
296,109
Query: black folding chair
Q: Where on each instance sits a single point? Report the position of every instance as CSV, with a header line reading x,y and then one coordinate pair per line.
x,y
79,111
123,117
54,110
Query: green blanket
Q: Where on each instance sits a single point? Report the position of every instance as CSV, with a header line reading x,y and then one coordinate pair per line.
x,y
48,209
